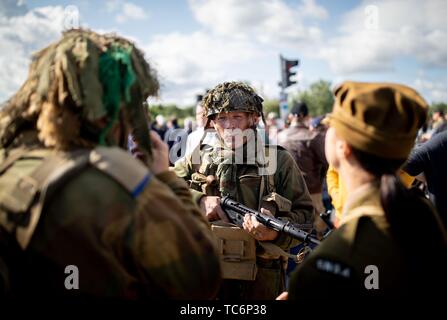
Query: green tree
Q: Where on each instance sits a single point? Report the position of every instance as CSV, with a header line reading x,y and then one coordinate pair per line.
x,y
318,97
171,111
438,106
271,106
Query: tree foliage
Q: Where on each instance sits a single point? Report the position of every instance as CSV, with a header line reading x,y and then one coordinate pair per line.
x,y
271,105
318,97
171,111
438,106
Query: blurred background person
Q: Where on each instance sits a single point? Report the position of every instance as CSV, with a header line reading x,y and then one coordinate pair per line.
x,y
307,148
430,160
160,126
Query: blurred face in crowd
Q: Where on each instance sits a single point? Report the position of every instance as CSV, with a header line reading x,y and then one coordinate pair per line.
x,y
234,128
436,116
200,116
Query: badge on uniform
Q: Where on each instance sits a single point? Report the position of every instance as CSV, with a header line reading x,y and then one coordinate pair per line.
x,y
333,267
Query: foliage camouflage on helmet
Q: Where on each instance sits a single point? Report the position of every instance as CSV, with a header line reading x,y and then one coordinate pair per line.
x,y
232,96
82,78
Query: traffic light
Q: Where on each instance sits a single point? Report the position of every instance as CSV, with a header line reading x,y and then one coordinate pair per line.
x,y
286,73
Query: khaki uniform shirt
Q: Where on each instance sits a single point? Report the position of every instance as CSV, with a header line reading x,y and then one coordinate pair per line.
x,y
362,257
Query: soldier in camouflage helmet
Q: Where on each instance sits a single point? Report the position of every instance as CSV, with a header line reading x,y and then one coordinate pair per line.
x,y
71,196
263,178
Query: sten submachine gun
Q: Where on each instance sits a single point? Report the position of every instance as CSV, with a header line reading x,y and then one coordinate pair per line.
x,y
236,212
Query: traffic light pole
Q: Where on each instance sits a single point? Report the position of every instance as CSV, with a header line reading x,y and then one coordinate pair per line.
x,y
283,106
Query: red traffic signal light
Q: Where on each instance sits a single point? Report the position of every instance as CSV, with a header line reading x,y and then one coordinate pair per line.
x,y
286,73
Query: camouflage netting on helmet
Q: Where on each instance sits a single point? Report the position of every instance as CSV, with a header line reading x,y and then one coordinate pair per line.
x,y
232,96
81,82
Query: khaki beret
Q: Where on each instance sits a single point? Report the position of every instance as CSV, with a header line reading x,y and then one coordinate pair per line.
x,y
378,118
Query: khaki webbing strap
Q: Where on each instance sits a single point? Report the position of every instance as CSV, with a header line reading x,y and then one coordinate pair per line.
x,y
23,193
54,171
273,249
51,172
271,182
13,157
261,192
121,166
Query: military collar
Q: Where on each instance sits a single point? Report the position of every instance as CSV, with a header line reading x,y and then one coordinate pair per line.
x,y
220,152
365,201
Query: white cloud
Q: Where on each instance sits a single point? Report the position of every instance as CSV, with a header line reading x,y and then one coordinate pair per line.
x,y
113,5
20,36
402,28
187,64
309,8
128,11
268,21
433,91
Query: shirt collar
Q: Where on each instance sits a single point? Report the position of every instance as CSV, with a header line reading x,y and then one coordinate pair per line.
x,y
367,195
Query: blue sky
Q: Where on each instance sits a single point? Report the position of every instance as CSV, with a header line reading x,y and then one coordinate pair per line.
x,y
195,44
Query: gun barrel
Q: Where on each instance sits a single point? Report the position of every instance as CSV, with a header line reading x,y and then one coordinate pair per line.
x,y
300,234
326,217
230,205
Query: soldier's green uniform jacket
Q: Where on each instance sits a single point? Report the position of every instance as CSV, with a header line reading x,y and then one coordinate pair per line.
x,y
80,217
294,204
363,258
130,234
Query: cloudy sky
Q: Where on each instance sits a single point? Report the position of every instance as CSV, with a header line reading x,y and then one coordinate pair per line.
x,y
196,44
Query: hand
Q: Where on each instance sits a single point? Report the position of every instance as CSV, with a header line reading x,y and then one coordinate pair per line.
x,y
160,154
283,296
210,206
258,230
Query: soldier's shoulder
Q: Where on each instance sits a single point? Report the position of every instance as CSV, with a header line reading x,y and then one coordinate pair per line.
x,y
360,237
124,169
342,257
333,257
101,163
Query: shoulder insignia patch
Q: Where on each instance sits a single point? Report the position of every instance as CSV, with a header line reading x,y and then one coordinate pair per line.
x,y
333,267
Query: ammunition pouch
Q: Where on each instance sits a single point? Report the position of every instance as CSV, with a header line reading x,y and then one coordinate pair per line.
x,y
237,252
276,203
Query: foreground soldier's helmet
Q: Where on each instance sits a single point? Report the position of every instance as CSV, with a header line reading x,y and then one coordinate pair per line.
x,y
80,79
232,96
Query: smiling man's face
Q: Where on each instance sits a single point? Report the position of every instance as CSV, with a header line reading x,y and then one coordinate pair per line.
x,y
231,127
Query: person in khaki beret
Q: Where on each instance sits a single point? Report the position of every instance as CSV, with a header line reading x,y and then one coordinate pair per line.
x,y
390,242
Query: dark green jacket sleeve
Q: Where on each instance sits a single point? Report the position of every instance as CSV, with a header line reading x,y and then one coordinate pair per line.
x,y
183,169
290,184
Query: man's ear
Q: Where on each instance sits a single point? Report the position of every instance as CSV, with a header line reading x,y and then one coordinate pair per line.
x,y
343,149
253,119
211,124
